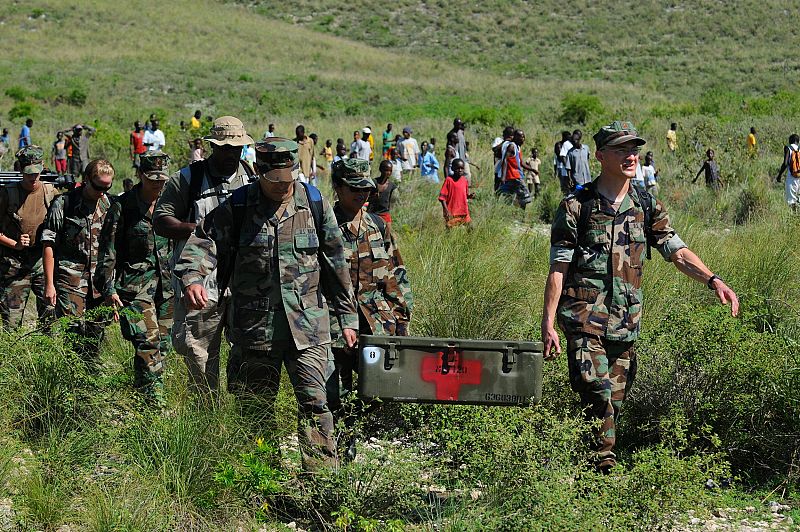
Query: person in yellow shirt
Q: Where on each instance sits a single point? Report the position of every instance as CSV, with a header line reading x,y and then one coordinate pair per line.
x,y
751,142
196,120
672,137
366,134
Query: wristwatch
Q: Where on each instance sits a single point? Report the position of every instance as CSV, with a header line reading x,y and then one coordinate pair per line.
x,y
710,282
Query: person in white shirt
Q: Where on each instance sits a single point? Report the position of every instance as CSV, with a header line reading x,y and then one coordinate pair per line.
x,y
154,140
359,148
409,151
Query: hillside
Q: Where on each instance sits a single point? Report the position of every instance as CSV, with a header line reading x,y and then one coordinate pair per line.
x,y
680,48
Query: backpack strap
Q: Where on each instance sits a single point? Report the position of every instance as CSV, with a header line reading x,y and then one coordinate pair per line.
x,y
197,174
380,222
646,202
238,201
315,202
587,198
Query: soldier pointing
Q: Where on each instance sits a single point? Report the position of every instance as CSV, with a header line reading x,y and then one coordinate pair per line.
x,y
599,238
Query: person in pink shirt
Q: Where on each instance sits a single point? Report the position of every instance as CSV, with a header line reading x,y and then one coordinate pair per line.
x,y
455,196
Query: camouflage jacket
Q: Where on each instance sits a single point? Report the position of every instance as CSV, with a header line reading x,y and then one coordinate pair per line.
x,y
280,267
73,229
132,258
602,289
378,274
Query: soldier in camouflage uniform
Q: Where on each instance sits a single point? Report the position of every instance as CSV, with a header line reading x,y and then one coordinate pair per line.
x,y
23,208
279,246
133,274
71,239
188,196
379,278
599,239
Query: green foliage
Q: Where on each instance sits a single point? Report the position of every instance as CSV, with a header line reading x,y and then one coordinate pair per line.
x,y
76,97
22,110
256,479
18,94
580,108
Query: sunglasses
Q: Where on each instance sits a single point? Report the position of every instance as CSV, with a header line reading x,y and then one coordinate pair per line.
x,y
99,188
358,190
625,151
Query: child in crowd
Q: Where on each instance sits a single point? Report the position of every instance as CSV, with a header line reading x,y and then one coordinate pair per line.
x,y
382,199
196,152
711,169
429,164
532,175
397,163
455,196
341,153
60,154
327,151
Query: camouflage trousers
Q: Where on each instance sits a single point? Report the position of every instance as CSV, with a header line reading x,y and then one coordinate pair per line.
x,y
146,322
88,325
258,373
602,372
19,276
197,337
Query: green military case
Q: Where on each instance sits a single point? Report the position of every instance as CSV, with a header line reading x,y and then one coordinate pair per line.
x,y
416,369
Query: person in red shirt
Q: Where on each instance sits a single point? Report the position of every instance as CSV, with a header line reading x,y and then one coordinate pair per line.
x,y
454,196
137,143
509,170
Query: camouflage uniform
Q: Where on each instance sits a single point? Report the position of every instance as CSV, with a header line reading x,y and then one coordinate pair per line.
x,y
281,265
197,334
601,302
134,264
378,275
73,228
21,269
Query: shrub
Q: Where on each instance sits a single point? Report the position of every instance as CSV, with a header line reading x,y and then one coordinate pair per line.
x,y
76,97
22,110
579,108
18,94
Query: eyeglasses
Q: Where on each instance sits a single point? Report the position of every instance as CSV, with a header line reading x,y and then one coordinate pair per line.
x,y
625,151
99,188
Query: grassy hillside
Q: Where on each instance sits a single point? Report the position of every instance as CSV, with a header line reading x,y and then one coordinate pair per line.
x,y
678,48
716,398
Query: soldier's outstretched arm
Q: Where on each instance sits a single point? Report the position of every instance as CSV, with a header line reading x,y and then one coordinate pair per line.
x,y
335,273
692,266
552,293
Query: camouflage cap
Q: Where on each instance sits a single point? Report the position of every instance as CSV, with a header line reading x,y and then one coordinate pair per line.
x,y
277,159
352,172
154,165
30,159
618,132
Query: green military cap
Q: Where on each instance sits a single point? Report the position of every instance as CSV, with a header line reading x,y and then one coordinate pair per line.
x,y
30,159
353,172
277,159
617,132
154,165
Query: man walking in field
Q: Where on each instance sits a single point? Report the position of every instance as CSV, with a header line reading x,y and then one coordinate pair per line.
x,y
599,238
187,198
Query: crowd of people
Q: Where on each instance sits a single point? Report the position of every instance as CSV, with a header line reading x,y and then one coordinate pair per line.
x,y
239,244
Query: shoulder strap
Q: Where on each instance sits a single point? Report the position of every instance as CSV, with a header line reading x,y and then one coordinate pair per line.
x,y
248,170
49,194
197,174
238,201
646,201
315,202
380,223
14,198
587,199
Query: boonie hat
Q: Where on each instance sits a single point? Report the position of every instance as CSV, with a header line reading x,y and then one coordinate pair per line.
x,y
617,132
277,160
228,130
353,172
30,159
154,165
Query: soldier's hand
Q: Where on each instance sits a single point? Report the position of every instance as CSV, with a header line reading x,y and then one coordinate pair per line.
x,y
196,297
25,240
350,337
550,341
726,295
50,295
115,302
